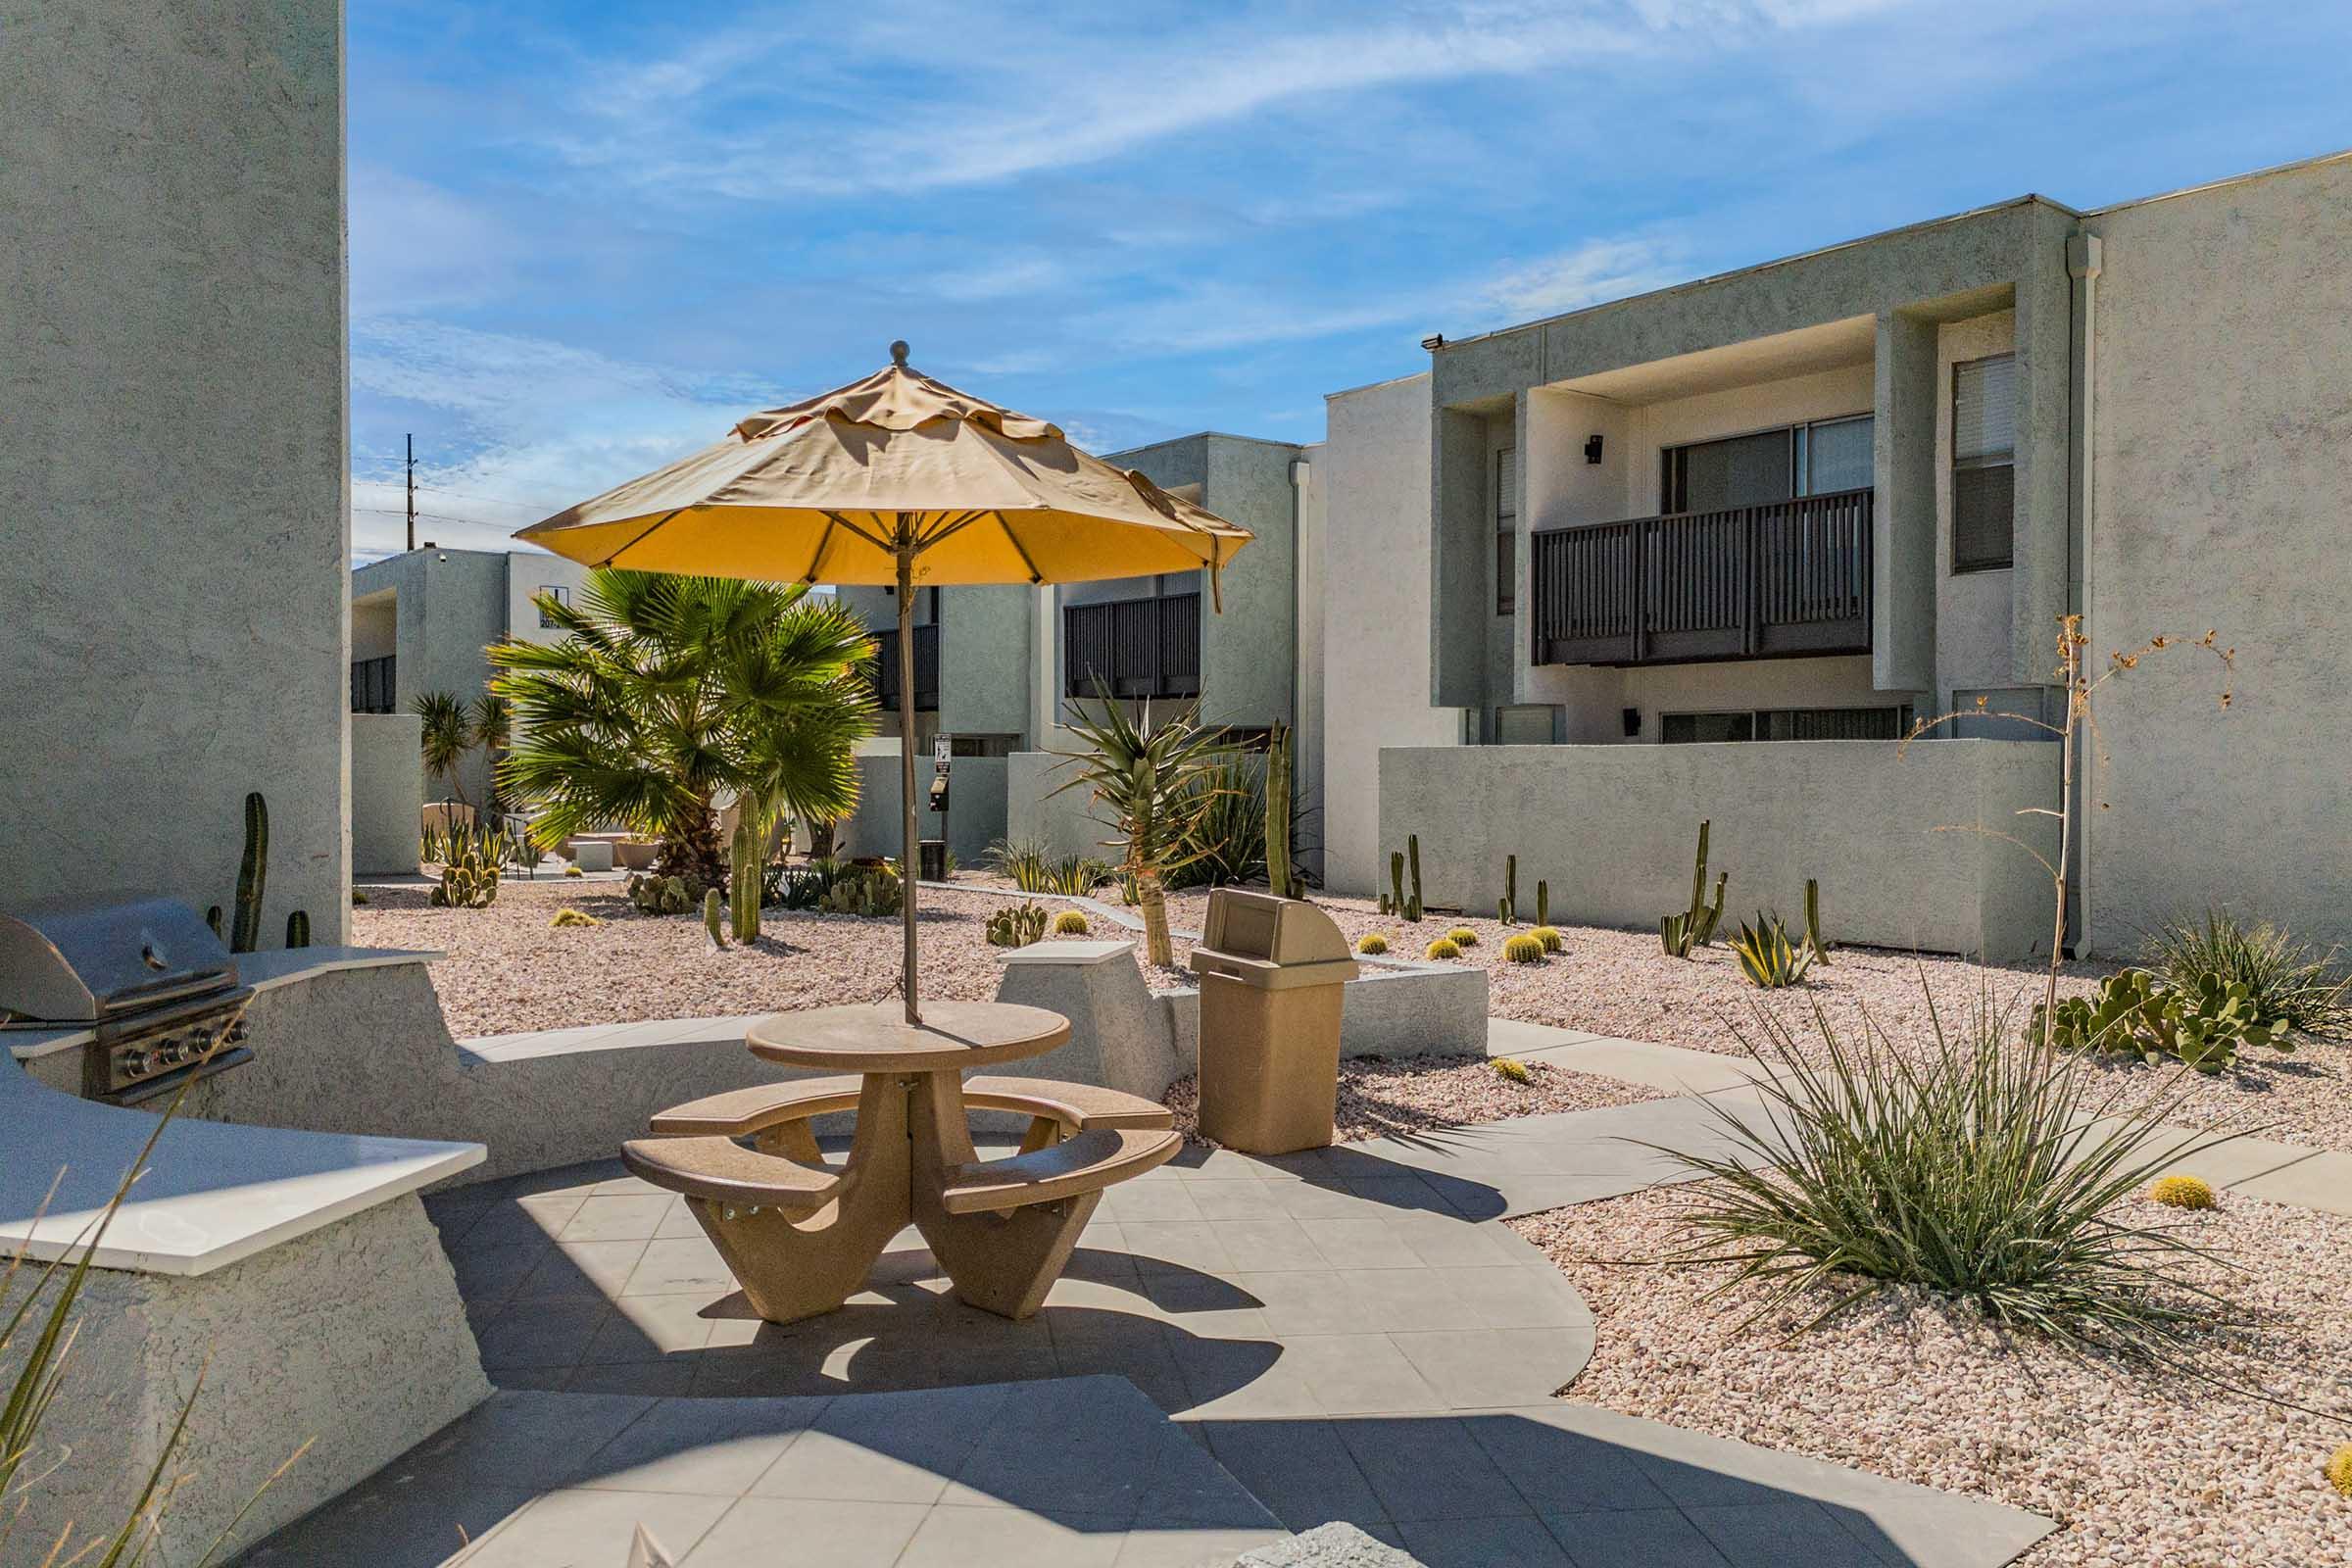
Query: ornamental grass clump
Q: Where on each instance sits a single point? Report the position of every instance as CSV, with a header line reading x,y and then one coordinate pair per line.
x,y
1985,1173
2288,984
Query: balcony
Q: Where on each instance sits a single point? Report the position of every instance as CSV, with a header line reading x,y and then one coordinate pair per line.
x,y
1772,581
926,669
1133,647
373,686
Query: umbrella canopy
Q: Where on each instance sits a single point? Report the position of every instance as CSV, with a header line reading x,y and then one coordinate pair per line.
x,y
830,490
898,480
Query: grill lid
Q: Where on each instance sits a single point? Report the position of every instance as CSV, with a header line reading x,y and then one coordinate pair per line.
x,y
83,963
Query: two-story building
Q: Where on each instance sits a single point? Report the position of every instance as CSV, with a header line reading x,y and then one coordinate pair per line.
x,y
1813,501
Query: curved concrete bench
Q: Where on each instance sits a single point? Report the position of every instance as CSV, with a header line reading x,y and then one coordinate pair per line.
x,y
720,1170
764,1113
1076,1168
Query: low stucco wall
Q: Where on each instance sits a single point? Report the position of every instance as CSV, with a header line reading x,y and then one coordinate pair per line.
x,y
1062,824
352,1339
387,792
1612,829
974,819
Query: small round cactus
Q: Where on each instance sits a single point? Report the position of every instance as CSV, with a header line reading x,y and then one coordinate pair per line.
x,y
1070,923
1371,942
1461,936
1548,936
2181,1191
1524,949
1444,947
1512,1067
573,870
565,918
2339,1470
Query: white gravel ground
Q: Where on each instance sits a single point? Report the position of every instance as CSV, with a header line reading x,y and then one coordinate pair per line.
x,y
508,971
1620,984
1378,1098
2141,1467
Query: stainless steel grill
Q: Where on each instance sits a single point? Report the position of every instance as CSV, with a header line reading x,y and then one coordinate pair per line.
x,y
154,986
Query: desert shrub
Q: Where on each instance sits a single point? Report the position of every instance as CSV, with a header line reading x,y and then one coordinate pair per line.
x,y
1371,942
1524,949
1549,936
2181,1191
1226,816
2134,1013
1016,926
1027,866
2287,983
565,919
1461,936
1766,957
1512,1067
1965,1167
803,886
1443,948
870,892
653,893
1070,923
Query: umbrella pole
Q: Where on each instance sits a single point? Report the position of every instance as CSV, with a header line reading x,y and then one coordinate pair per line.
x,y
909,864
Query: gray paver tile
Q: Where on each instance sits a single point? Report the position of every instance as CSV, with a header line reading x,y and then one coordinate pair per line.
x,y
962,1538
2322,1182
1475,1369
1394,1299
391,1526
518,1440
1358,1374
633,1218
1193,1547
576,1270
1564,1471
1518,1540
1633,1538
1300,1469
709,1447
676,1267
886,1447
538,1333
661,1379
1430,1468
571,1525
1795,1533
1160,1244
808,1533
1358,1240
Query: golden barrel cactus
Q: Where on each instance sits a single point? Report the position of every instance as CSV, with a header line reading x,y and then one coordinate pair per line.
x,y
1443,948
1371,942
2181,1191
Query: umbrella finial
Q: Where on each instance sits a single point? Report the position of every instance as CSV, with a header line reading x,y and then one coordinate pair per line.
x,y
897,353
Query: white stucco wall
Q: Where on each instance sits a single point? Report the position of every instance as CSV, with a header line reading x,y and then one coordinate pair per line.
x,y
173,510
2223,449
1612,829
1376,679
387,793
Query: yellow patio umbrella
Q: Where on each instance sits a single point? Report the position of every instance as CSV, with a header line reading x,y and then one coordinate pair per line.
x,y
902,481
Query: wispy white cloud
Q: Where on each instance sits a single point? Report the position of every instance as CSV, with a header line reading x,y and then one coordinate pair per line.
x,y
1590,274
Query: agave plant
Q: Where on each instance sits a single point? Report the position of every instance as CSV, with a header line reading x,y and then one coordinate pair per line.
x,y
1153,781
1766,955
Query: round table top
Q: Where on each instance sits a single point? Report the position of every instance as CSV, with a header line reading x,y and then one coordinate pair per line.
x,y
877,1037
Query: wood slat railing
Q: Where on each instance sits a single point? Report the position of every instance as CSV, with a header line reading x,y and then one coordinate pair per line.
x,y
1784,578
1133,647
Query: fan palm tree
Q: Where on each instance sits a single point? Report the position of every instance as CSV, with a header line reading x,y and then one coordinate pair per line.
x,y
448,737
669,691
1155,782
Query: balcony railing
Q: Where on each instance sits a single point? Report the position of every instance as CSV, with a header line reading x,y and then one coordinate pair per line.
x,y
1133,647
926,669
372,687
1754,582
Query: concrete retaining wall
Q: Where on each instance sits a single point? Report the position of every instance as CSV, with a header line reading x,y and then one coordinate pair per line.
x,y
1888,834
1062,825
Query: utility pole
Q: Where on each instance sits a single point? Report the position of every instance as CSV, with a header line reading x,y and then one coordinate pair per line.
x,y
412,492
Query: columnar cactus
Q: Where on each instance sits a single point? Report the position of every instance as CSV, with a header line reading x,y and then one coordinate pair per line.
x,y
1413,856
1510,890
252,872
743,889
1397,882
711,925
298,929
1695,926
1542,904
1821,948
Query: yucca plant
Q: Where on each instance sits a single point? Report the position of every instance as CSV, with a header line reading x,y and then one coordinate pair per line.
x,y
2287,984
1153,781
1766,957
1229,825
446,736
1979,1171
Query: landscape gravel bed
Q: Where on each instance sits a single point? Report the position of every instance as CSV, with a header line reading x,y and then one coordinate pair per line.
x,y
1621,984
509,971
2140,1465
1378,1097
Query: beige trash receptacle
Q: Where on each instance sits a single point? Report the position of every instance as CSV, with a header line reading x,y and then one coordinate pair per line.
x,y
1271,977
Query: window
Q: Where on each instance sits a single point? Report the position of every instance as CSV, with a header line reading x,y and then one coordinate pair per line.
x,y
998,745
1984,464
1749,470
1525,724
560,595
1507,532
1788,724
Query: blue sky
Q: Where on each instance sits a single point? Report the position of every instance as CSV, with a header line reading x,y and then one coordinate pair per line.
x,y
587,237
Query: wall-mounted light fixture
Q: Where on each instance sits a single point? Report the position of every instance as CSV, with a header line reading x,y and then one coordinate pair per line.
x,y
1592,449
1434,342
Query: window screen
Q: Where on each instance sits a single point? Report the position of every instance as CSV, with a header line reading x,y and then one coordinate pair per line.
x,y
1789,724
1685,729
1507,532
1837,456
1524,724
1984,464
1744,471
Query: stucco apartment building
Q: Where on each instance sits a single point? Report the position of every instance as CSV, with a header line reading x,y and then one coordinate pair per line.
x,y
1706,552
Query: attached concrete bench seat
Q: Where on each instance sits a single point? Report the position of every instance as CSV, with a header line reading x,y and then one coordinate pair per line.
x,y
1079,1165
1055,1109
724,1171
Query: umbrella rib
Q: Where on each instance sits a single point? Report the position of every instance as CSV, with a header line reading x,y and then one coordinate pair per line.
x,y
640,538
883,545
817,560
1005,520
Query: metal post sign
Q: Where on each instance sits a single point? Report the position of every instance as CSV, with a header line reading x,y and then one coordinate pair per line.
x,y
943,747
